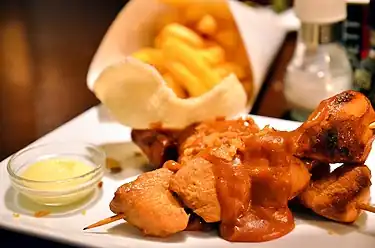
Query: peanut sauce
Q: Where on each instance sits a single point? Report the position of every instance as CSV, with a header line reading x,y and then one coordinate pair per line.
x,y
254,193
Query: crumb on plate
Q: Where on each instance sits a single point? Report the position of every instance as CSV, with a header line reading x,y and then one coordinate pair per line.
x,y
100,184
41,213
16,215
137,154
113,165
83,212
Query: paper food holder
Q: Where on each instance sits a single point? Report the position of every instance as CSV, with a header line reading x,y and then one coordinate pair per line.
x,y
262,32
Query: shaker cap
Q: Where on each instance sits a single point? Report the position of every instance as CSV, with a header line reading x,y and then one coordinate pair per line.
x,y
320,11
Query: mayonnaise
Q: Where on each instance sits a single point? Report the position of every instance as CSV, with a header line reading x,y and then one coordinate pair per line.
x,y
49,175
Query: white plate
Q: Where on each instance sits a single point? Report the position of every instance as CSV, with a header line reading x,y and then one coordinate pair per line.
x,y
309,232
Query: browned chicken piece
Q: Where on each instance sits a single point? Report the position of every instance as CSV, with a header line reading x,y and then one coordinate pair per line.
x,y
158,145
336,195
338,130
213,134
194,183
299,176
149,205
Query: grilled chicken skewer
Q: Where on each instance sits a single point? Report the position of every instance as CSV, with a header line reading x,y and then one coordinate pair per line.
x,y
341,195
353,181
338,131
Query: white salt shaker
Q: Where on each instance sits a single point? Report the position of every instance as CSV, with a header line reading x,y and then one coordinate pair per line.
x,y
320,67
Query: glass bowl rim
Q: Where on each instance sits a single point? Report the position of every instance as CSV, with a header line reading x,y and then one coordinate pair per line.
x,y
96,168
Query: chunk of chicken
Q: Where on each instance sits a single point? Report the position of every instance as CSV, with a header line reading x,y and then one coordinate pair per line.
x,y
211,134
149,205
194,183
336,195
158,145
338,130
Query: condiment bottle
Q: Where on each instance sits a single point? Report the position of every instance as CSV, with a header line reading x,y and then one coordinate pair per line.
x,y
364,76
320,67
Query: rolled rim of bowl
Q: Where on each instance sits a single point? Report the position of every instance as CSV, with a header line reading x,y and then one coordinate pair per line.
x,y
95,170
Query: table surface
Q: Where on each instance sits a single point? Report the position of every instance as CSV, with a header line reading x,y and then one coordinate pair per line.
x,y
45,51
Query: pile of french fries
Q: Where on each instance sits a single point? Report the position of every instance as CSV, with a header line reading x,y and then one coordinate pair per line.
x,y
196,47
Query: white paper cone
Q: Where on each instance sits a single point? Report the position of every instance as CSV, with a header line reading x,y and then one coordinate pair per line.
x,y
261,30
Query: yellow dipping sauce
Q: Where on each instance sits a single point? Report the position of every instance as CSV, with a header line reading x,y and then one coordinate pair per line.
x,y
56,169
49,171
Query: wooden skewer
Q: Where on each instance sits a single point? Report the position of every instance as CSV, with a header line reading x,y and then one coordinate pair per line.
x,y
366,207
117,217
106,221
372,125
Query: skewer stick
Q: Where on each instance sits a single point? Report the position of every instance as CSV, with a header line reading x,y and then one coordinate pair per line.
x,y
106,221
366,207
372,125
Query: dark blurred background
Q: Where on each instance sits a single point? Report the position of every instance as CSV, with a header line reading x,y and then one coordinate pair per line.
x,y
45,51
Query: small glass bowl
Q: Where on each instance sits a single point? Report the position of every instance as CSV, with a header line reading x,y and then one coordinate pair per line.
x,y
61,192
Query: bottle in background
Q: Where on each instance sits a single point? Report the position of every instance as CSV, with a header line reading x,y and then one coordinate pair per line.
x,y
356,32
320,67
364,76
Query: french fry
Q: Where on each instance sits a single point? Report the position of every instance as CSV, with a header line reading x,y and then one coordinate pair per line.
x,y
228,38
193,14
229,67
222,71
177,88
192,59
151,56
214,54
219,9
207,25
177,3
183,33
173,16
197,46
190,82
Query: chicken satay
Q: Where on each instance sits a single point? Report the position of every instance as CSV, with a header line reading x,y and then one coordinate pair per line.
x,y
338,130
158,145
337,195
210,134
194,183
148,204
